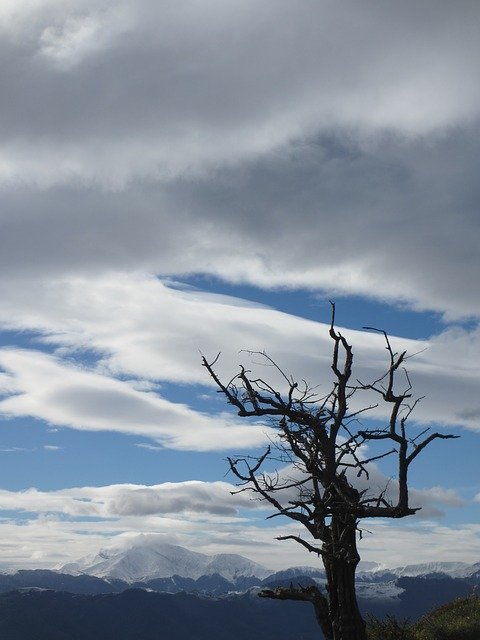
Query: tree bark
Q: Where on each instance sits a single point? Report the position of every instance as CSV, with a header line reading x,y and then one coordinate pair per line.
x,y
340,565
337,612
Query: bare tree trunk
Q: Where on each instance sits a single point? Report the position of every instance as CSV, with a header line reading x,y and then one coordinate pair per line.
x,y
347,622
337,613
340,566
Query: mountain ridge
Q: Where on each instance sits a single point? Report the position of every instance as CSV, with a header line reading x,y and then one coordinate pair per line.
x,y
148,557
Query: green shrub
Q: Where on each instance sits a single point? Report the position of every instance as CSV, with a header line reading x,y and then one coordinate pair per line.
x,y
389,629
457,620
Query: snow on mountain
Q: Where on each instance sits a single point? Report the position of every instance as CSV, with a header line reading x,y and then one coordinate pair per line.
x,y
383,591
231,566
468,571
381,583
453,569
318,574
366,565
148,558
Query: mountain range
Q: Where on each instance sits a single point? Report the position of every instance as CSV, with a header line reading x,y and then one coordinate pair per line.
x,y
150,585
151,564
46,614
147,558
166,567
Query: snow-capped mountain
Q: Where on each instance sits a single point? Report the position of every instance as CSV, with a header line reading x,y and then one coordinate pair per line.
x,y
317,574
452,569
148,558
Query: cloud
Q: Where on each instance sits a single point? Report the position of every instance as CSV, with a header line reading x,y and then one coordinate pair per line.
x,y
140,139
115,89
139,328
62,525
66,395
309,138
149,447
120,500
427,542
391,218
430,502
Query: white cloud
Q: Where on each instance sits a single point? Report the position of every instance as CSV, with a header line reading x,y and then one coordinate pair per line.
x,y
70,523
169,498
396,545
430,502
65,395
81,35
149,332
121,500
149,447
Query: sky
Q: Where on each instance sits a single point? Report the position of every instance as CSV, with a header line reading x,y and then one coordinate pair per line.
x,y
190,177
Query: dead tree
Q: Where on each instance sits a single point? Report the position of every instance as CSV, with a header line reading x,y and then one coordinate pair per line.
x,y
318,439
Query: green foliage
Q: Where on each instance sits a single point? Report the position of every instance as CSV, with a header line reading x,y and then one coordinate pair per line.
x,y
389,629
457,620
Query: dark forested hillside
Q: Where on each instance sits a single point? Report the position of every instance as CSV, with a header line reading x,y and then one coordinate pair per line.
x,y
135,614
139,614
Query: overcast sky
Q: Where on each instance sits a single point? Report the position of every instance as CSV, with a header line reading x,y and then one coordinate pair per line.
x,y
191,176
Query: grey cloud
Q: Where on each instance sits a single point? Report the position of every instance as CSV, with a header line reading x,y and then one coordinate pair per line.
x,y
393,218
154,89
146,501
389,217
428,501
116,501
191,497
315,144
468,414
82,399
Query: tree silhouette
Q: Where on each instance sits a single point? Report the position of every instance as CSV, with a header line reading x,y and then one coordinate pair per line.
x,y
324,443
